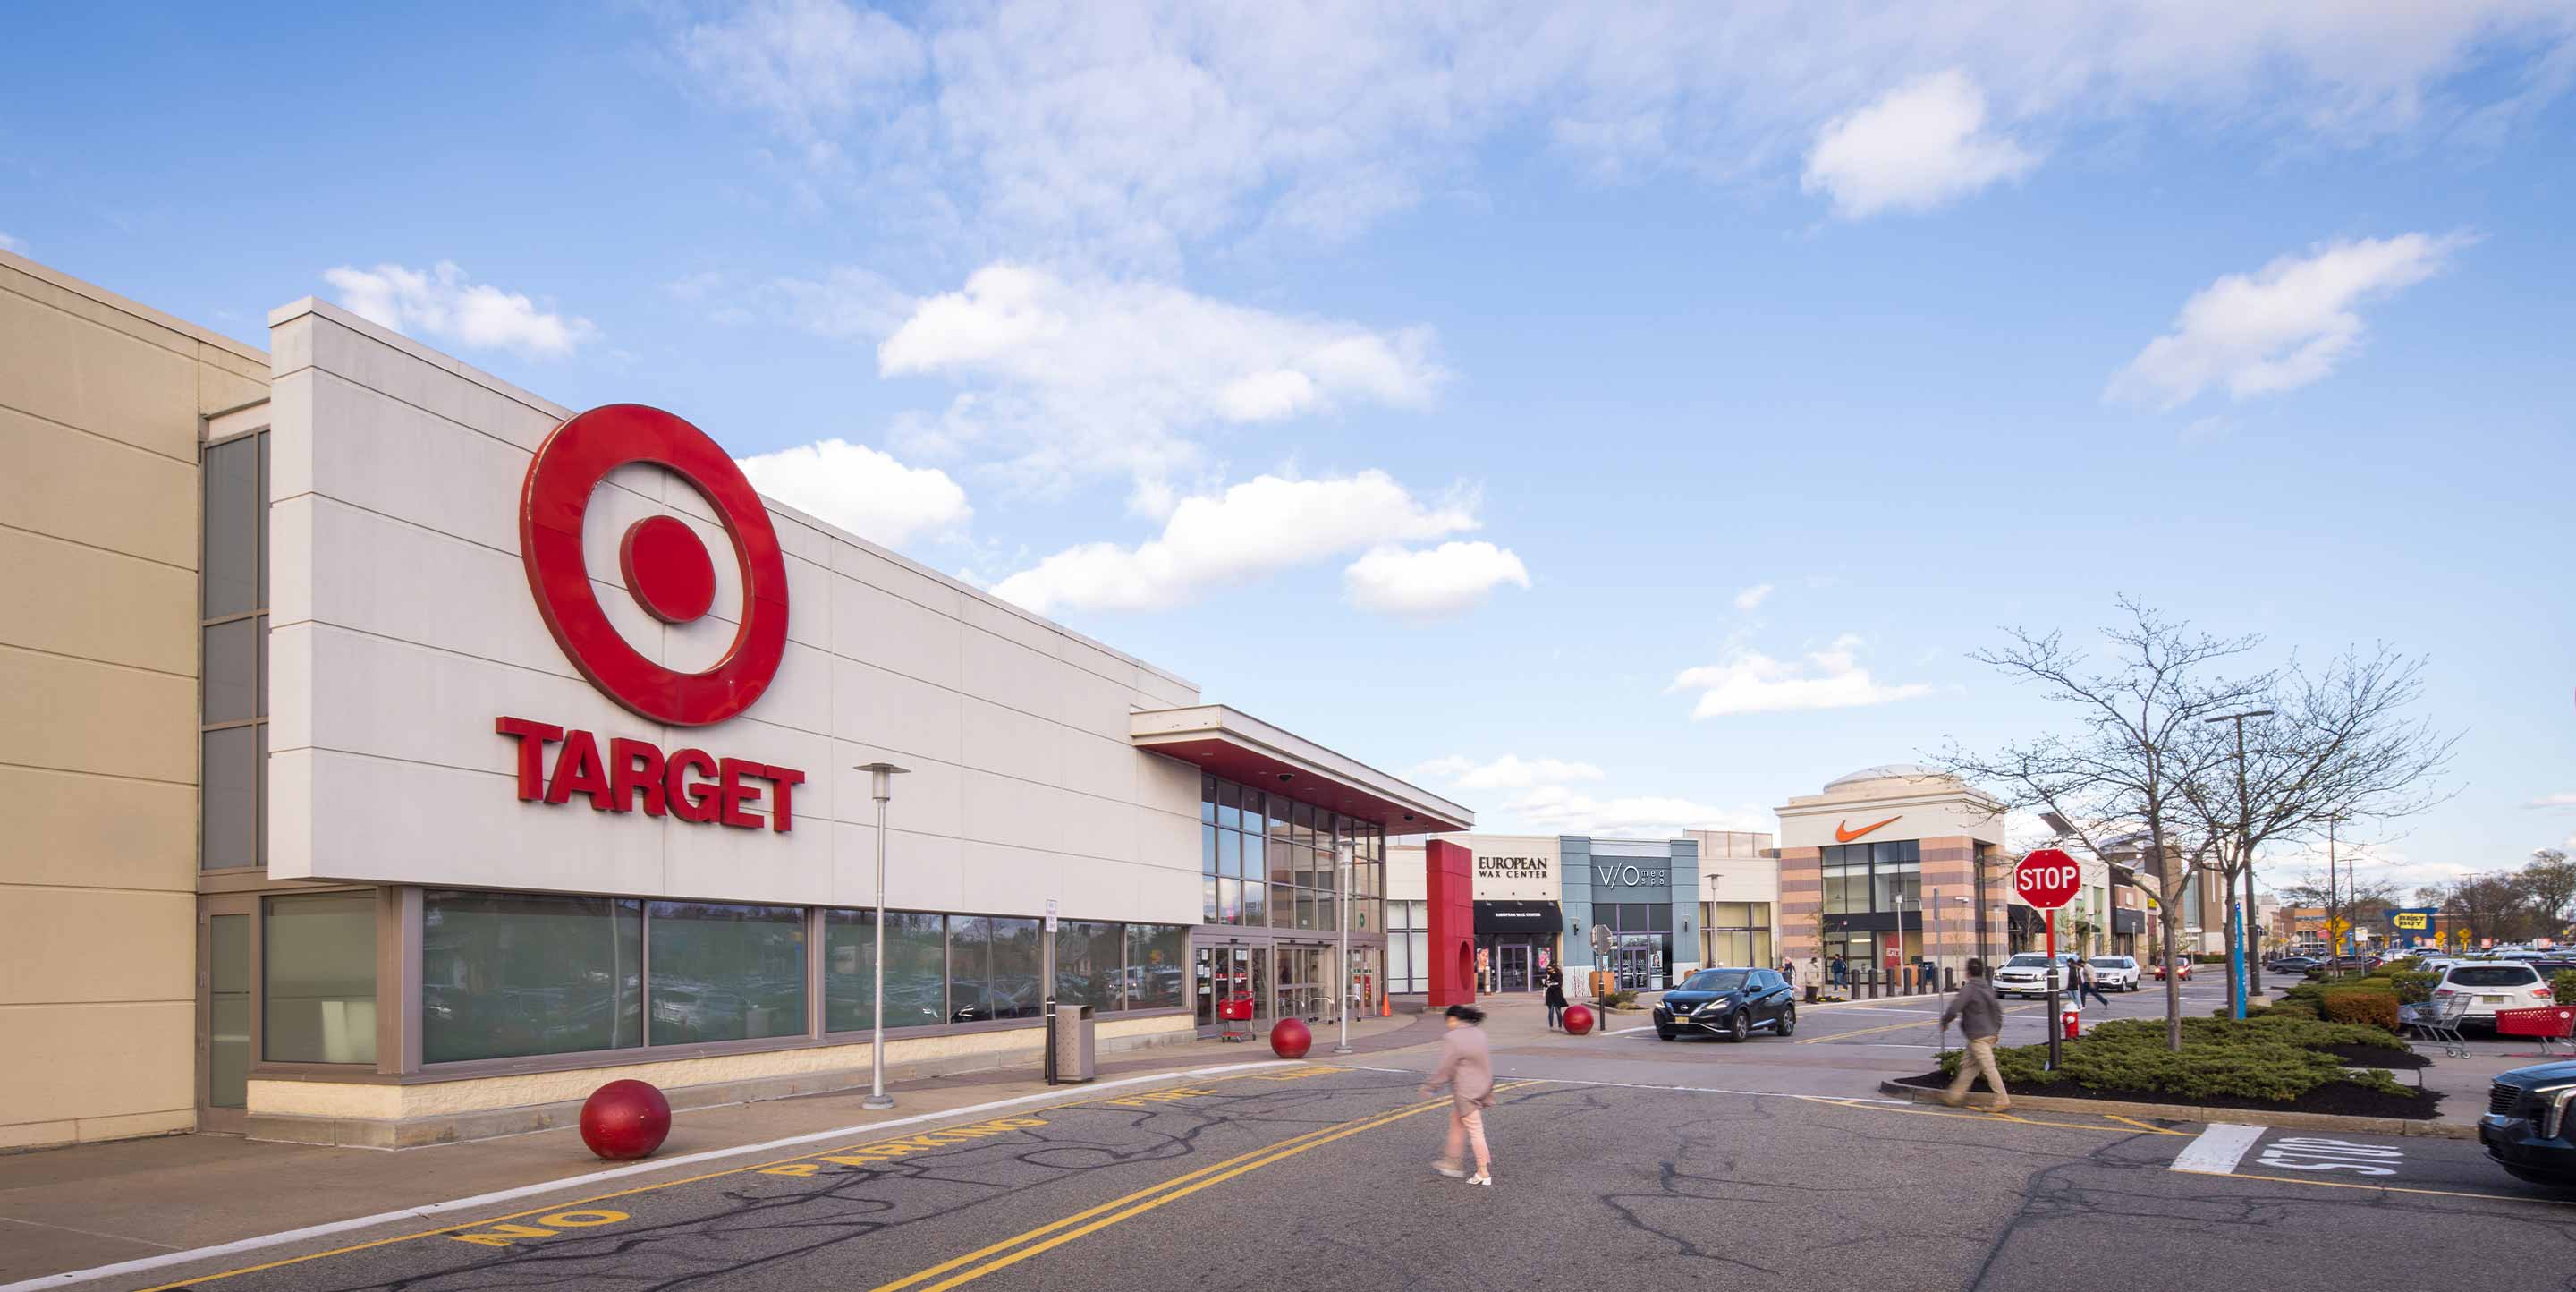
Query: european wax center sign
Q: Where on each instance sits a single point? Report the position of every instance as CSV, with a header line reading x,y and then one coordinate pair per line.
x,y
1516,875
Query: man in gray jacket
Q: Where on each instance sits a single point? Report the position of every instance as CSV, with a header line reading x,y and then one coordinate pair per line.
x,y
1981,1021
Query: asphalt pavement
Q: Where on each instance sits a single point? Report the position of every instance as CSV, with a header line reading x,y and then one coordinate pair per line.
x,y
1621,1161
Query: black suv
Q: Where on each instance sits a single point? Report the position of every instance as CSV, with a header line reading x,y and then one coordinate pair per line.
x,y
2530,1126
1729,1003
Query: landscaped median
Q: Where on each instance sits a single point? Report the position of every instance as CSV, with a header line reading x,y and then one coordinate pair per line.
x,y
2293,1069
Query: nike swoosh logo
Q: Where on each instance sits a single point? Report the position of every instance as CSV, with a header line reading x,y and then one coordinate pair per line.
x,y
1843,835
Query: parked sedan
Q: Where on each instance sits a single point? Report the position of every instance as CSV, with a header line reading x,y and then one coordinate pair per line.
x,y
1729,1003
2527,1129
2292,966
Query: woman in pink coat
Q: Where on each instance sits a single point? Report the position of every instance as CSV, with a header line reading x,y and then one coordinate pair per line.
x,y
1467,1068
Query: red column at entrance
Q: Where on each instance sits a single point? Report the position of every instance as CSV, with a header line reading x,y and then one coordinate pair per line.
x,y
1449,884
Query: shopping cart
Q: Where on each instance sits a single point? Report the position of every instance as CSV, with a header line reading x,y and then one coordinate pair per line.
x,y
2550,1025
2439,1020
1236,1012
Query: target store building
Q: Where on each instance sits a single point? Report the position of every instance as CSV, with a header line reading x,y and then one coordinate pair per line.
x,y
398,755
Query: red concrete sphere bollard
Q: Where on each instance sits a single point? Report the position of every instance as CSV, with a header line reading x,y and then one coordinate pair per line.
x,y
624,1120
1577,1019
1289,1039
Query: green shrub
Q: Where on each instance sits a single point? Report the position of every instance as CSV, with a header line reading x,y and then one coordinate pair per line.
x,y
2293,1009
2273,1056
2374,1007
2562,987
2415,987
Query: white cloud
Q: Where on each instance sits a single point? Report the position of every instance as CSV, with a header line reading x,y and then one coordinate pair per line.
x,y
862,490
808,64
1752,597
8,243
1921,145
1509,772
438,302
1069,377
1755,683
2280,328
1543,800
2566,799
1124,133
1555,809
1258,527
1431,583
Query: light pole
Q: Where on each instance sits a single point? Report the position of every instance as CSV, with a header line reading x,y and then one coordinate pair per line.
x,y
1342,881
881,788
2236,958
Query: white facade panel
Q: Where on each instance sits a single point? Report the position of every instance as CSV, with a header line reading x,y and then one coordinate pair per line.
x,y
403,626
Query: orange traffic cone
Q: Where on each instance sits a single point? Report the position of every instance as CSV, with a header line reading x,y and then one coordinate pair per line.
x,y
1386,1007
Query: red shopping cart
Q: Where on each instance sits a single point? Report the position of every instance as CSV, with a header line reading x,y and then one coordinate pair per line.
x,y
1236,1012
2550,1025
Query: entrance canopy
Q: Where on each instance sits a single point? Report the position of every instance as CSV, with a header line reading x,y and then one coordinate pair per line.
x,y
1519,917
1244,749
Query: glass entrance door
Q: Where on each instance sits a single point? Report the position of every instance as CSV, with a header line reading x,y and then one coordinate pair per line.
x,y
1635,966
223,1012
1512,966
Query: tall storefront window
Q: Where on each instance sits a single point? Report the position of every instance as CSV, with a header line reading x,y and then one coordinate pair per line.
x,y
318,979
1086,963
726,973
992,968
506,975
232,716
916,977
1738,934
1157,959
1408,946
1265,859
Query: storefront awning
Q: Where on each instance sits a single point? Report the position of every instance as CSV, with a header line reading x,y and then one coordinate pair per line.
x,y
1242,748
1519,917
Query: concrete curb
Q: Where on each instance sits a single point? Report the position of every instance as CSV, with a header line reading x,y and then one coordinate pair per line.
x,y
2194,1113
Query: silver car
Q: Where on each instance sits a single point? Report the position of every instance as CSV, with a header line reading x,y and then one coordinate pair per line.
x,y
2116,973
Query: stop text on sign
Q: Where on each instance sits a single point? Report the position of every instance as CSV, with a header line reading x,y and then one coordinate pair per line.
x,y
625,775
2047,879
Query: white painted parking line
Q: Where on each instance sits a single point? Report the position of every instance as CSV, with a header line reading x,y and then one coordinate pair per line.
x,y
2310,1153
2218,1149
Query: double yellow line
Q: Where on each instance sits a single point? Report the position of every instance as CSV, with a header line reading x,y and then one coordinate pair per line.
x,y
1019,1247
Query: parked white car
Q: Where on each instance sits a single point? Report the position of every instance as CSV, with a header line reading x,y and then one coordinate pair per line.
x,y
2027,975
2116,973
2493,985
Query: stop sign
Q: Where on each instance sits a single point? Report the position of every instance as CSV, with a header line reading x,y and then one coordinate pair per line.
x,y
2047,879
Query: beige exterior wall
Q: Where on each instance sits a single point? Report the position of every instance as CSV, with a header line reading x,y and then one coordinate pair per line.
x,y
101,402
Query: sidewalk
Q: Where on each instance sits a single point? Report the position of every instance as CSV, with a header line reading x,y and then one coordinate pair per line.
x,y
96,1204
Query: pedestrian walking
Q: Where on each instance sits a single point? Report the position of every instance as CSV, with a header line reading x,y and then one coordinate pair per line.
x,y
1467,1068
1789,972
1555,996
1841,971
1981,1022
2089,983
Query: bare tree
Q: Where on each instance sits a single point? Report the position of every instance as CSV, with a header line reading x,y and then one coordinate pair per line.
x,y
2495,905
2333,745
2550,879
2117,778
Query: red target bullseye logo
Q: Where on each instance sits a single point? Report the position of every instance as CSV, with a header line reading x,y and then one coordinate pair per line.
x,y
667,569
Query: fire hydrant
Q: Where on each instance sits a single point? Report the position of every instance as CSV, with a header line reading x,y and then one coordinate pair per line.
x,y
2070,1020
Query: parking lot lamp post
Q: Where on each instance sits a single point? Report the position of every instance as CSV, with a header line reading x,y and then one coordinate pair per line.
x,y
881,788
1342,880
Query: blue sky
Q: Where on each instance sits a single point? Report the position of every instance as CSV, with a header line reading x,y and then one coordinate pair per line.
x,y
1441,385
